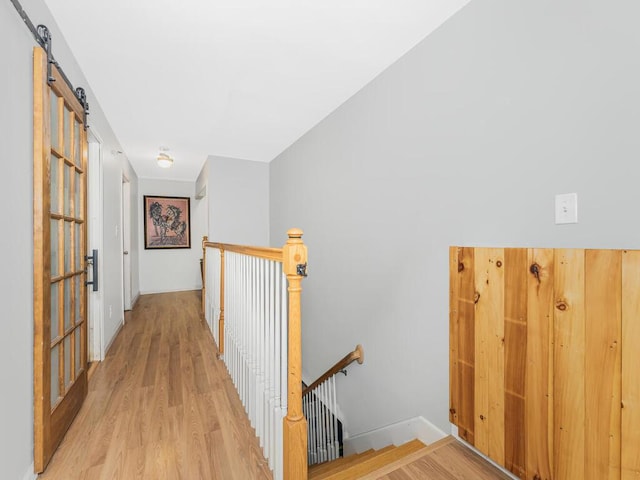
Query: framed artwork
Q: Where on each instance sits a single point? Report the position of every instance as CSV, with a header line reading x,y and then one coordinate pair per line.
x,y
167,222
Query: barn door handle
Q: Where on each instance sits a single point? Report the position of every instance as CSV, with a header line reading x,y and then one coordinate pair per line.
x,y
93,261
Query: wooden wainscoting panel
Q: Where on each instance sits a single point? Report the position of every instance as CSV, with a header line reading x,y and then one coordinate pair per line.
x,y
603,298
569,367
539,366
630,442
465,316
546,346
482,347
489,369
454,335
515,344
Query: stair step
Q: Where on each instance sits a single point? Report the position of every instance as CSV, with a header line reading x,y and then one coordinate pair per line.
x,y
412,457
320,471
352,468
342,462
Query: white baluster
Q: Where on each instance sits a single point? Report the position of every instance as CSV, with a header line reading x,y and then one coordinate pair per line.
x,y
330,416
316,421
259,356
243,336
256,342
325,418
314,416
268,367
336,441
306,415
272,359
250,334
236,319
231,315
280,364
312,431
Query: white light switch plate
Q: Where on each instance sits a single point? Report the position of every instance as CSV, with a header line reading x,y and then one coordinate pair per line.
x,y
566,208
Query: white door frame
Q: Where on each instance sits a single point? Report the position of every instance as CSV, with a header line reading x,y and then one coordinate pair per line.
x,y
126,243
95,338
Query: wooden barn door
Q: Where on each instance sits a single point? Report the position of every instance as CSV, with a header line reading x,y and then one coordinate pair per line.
x,y
59,235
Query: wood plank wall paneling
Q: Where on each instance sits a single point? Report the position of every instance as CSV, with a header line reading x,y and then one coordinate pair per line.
x,y
454,334
544,359
515,341
482,332
603,364
630,455
494,301
463,385
539,365
569,365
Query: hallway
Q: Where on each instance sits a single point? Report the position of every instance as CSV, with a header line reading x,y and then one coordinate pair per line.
x,y
161,406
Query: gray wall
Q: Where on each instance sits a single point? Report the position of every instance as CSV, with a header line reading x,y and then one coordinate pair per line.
x,y
172,270
238,193
16,248
16,252
464,141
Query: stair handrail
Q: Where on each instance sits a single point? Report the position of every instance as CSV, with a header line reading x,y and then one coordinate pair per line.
x,y
348,359
293,256
268,253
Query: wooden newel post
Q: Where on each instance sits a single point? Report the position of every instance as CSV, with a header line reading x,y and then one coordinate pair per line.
x,y
203,272
295,425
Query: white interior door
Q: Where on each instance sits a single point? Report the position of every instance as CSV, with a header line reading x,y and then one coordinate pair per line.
x,y
96,320
126,242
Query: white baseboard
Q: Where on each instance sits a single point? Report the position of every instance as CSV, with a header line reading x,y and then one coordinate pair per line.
x,y
29,475
454,433
153,292
135,300
115,335
395,434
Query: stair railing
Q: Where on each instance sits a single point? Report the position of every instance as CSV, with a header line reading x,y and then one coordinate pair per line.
x,y
324,434
251,302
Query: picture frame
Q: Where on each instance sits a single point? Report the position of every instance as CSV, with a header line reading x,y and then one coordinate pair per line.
x,y
167,222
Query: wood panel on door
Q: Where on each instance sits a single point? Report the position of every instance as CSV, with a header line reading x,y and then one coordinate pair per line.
x,y
60,324
555,334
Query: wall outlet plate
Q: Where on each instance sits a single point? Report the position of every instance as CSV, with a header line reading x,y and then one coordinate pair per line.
x,y
566,208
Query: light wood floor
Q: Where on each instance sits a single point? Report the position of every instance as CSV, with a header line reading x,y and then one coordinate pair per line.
x,y
161,406
448,461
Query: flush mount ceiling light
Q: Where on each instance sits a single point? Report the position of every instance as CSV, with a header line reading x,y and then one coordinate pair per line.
x,y
164,160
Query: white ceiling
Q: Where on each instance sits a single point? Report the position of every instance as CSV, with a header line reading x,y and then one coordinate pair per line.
x,y
235,78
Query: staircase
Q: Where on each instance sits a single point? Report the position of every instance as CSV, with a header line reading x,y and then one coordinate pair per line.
x,y
361,464
442,460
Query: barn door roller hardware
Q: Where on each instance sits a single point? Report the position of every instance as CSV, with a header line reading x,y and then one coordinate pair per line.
x,y
42,35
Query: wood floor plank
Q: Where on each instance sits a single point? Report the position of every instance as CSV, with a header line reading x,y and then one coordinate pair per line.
x,y
452,461
161,406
